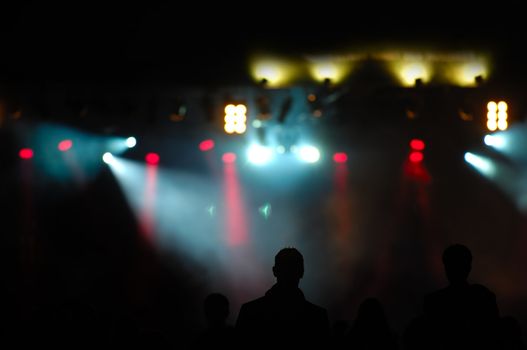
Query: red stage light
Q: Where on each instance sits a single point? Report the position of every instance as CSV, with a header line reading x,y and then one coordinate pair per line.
x,y
206,145
416,157
340,157
65,145
229,157
26,153
417,145
152,158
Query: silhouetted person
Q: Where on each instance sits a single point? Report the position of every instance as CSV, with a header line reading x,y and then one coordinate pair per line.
x,y
339,334
415,335
283,318
218,334
461,315
370,329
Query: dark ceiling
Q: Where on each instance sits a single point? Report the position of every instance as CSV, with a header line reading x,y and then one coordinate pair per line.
x,y
212,42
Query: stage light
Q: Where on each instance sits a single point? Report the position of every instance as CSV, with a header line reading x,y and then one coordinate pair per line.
x,y
65,145
323,71
108,158
416,157
228,157
271,72
309,154
131,142
502,115
25,153
152,158
340,157
413,74
483,165
206,145
259,155
417,145
472,72
497,115
496,141
235,119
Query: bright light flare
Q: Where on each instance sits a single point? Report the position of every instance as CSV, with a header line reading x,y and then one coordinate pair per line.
x,y
409,72
108,158
273,72
483,165
470,71
309,154
323,70
259,155
131,142
496,141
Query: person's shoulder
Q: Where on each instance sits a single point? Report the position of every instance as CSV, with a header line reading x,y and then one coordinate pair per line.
x,y
313,308
480,289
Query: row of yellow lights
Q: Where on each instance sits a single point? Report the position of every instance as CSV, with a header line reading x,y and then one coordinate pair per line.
x,y
497,116
278,73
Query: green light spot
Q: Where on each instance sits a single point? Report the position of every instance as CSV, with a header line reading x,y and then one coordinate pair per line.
x,y
265,210
211,209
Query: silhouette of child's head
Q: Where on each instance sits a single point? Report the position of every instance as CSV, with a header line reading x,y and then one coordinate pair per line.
x,y
457,260
288,266
216,308
371,312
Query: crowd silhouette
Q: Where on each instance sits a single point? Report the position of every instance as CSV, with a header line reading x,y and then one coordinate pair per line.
x,y
462,315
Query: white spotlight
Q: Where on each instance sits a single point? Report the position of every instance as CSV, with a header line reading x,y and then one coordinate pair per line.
x,y
131,142
483,165
496,141
259,155
108,158
309,154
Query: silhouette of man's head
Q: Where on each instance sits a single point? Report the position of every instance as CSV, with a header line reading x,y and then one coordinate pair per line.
x,y
216,309
288,267
457,260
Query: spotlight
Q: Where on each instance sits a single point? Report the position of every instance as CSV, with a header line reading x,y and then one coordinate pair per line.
x,y
417,145
206,145
152,158
131,142
65,145
309,154
228,157
108,158
496,141
416,157
340,157
259,155
25,153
